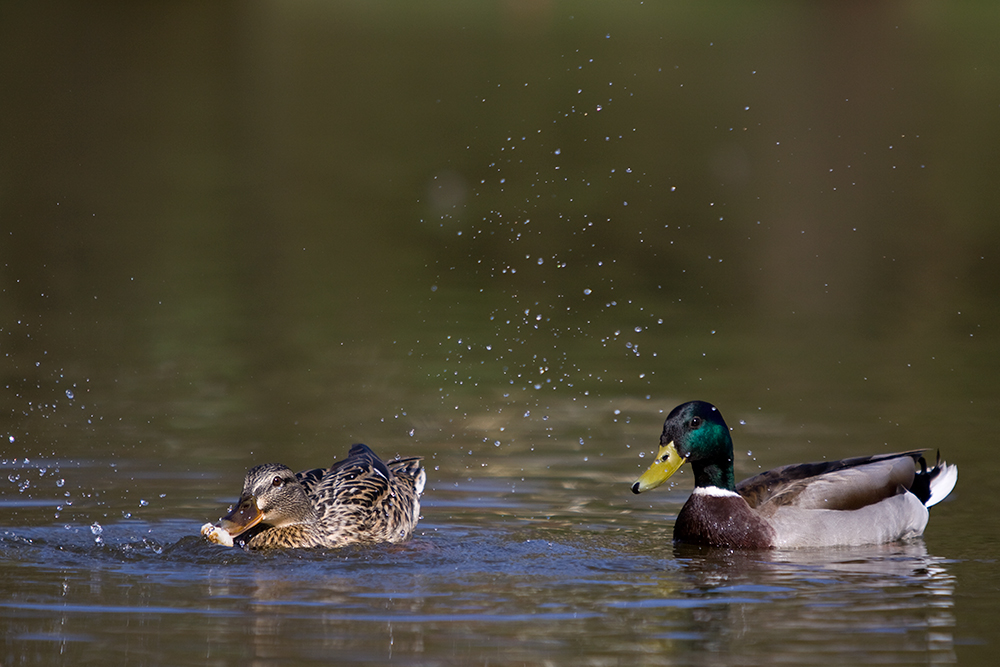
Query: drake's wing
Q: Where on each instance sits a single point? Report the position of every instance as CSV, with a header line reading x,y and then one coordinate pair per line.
x,y
838,485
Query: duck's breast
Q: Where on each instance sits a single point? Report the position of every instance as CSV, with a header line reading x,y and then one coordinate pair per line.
x,y
720,518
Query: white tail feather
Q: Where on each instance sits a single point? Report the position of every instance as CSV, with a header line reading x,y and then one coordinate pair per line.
x,y
943,483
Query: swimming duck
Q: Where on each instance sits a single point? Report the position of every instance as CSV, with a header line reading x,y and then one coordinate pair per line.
x,y
359,499
852,502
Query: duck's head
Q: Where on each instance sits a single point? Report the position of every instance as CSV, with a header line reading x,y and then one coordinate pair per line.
x,y
271,495
694,432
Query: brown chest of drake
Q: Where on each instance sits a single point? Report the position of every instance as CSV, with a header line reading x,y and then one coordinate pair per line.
x,y
719,518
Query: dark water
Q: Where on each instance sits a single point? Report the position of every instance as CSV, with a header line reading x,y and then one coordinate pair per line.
x,y
507,238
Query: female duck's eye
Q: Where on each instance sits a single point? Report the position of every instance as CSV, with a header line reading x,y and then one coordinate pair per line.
x,y
695,422
278,482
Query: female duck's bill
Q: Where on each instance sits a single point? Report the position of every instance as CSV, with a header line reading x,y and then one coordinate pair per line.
x,y
245,515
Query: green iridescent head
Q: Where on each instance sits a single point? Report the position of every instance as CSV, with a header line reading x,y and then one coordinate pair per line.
x,y
694,432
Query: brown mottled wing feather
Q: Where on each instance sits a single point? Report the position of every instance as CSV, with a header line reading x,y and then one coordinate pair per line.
x,y
363,499
310,479
841,485
362,479
406,471
408,478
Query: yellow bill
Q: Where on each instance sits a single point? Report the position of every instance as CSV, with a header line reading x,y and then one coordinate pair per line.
x,y
666,464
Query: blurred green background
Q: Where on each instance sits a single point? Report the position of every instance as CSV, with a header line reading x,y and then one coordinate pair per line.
x,y
262,220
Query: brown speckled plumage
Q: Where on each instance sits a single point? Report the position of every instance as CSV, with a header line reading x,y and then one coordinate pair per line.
x,y
359,499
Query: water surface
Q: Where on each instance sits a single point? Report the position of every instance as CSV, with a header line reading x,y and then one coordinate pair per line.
x,y
508,239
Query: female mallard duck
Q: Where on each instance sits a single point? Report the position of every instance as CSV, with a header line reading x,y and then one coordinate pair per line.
x,y
359,499
853,502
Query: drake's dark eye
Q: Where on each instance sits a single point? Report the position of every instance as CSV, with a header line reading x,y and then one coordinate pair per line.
x,y
277,482
695,422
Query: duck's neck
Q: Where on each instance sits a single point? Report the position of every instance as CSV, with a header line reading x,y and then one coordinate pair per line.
x,y
717,472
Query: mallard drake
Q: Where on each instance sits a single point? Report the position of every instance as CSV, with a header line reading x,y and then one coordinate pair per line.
x,y
852,502
359,499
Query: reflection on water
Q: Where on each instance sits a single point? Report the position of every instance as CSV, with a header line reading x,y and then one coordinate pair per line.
x,y
476,583
903,595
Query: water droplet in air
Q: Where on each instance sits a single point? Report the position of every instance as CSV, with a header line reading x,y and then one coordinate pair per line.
x,y
69,394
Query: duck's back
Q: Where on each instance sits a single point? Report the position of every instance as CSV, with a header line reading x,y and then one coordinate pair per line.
x,y
363,499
